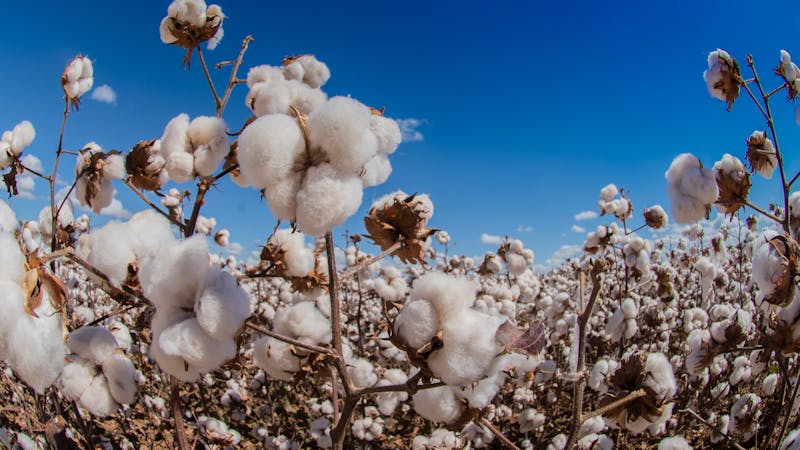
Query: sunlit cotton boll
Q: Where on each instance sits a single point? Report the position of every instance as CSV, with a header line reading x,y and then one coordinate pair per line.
x,y
326,199
78,77
269,149
21,136
276,358
299,259
691,187
188,341
438,404
341,129
209,143
303,321
221,306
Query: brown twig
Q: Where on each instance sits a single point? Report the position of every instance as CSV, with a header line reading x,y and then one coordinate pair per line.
x,y
488,424
288,340
200,56
705,422
152,205
54,220
175,393
233,81
580,382
359,267
615,404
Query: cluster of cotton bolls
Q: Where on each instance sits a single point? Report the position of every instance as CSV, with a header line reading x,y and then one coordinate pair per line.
x,y
637,255
516,256
94,170
14,141
691,187
78,78
31,342
602,237
193,148
312,167
623,322
620,207
189,22
98,376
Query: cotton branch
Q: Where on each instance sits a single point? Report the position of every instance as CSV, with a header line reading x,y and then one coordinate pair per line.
x,y
580,382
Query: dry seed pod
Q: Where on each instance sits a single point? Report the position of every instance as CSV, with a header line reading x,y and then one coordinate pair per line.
x,y
761,154
401,219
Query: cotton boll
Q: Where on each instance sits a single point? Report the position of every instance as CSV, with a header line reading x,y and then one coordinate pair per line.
x,y
447,294
340,128
174,139
362,373
65,218
315,72
376,170
660,376
270,149
92,343
387,131
121,334
388,401
299,259
303,321
12,261
152,233
187,340
8,219
121,378
438,404
97,398
208,156
276,358
326,199
76,377
417,323
293,71
110,250
269,99
691,187
221,306
173,365
180,167
305,98
21,136
264,74
176,274
282,197
469,346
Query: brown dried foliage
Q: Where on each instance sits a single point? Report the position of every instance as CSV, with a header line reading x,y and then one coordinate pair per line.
x,y
400,221
137,166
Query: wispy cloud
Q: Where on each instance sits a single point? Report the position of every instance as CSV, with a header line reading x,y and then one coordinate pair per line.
x,y
491,239
234,248
115,209
578,229
586,215
559,257
408,128
104,94
524,229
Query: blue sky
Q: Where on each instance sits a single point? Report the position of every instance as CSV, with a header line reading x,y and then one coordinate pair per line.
x,y
526,109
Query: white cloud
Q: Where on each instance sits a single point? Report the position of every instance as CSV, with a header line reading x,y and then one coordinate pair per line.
x,y
524,229
491,239
578,229
408,128
559,257
586,215
234,248
115,209
104,94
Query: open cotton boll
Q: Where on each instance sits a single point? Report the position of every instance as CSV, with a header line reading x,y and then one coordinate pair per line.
x,y
326,199
221,306
92,343
269,149
362,373
121,334
192,12
76,376
110,250
269,98
206,136
40,360
174,277
264,74
303,321
276,358
306,99
77,78
469,347
120,374
691,187
12,261
293,71
388,401
387,131
315,72
282,197
152,233
8,219
188,340
174,139
438,404
12,299
447,294
97,398
22,136
417,323
180,167
340,128
299,259
65,218
376,170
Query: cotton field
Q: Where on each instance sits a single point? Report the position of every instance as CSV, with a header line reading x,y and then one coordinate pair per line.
x,y
138,333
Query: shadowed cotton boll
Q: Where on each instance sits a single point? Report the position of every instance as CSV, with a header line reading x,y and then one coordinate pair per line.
x,y
276,358
417,323
326,199
469,346
76,377
221,306
120,375
282,197
175,276
691,187
187,340
269,149
92,343
438,404
98,399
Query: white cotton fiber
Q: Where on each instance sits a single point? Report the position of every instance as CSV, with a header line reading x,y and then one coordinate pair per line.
x,y
438,404
448,294
293,71
21,136
303,321
306,99
315,72
97,398
387,131
276,358
362,373
207,137
269,149
12,299
76,376
417,323
376,170
269,99
263,74
469,347
221,306
174,277
12,261
174,139
180,167
282,197
691,187
299,259
92,343
120,375
189,341
8,219
110,250
151,232
340,128
326,199
114,166
173,365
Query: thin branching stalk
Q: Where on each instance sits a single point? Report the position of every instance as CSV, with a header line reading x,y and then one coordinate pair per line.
x,y
488,424
54,175
364,264
233,81
152,205
615,404
202,59
38,174
763,212
288,340
580,382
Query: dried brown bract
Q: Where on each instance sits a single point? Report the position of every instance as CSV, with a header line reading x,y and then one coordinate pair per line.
x,y
733,189
785,289
628,378
92,171
401,220
761,154
145,166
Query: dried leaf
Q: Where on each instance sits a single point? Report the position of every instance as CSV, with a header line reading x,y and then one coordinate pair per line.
x,y
33,291
55,289
530,341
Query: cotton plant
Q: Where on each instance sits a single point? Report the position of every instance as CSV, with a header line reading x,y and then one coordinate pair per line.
x,y
77,79
193,148
191,22
94,170
99,376
691,187
13,142
609,203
